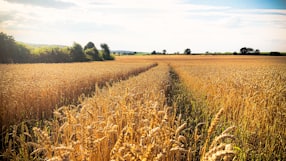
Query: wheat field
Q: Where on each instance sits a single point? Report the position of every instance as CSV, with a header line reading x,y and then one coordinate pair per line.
x,y
32,91
185,108
252,91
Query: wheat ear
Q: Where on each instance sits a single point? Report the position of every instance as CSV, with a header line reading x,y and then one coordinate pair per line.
x,y
210,130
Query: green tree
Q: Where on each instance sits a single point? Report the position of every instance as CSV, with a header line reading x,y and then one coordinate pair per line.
x,y
89,45
12,51
106,52
22,54
7,48
154,52
77,54
92,54
187,51
246,50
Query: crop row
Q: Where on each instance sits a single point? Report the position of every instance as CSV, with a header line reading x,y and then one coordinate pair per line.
x,y
253,95
116,119
130,120
32,91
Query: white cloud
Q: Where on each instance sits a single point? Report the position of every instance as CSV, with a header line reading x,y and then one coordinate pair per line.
x,y
146,25
46,3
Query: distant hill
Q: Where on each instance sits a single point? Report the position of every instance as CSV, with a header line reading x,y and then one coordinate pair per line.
x,y
128,52
43,45
121,52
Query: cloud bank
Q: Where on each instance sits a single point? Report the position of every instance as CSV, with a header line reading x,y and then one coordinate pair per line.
x,y
145,25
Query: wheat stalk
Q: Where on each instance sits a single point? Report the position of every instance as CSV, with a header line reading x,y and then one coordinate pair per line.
x,y
210,131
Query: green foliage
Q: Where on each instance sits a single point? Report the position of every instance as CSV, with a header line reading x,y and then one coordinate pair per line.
x,y
106,52
23,54
249,51
92,54
77,54
51,55
7,48
187,51
89,45
14,52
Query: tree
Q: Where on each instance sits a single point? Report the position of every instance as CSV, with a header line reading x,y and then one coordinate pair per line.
x,y
250,50
243,51
92,54
154,52
106,52
164,51
77,54
89,45
22,54
246,50
7,48
275,53
12,51
187,51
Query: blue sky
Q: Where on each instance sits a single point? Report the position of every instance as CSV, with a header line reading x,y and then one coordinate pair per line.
x,y
243,4
147,25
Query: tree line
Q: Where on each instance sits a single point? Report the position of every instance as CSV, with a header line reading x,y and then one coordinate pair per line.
x,y
16,52
187,51
251,51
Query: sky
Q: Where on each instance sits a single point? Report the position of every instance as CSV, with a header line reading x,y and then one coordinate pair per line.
x,y
147,25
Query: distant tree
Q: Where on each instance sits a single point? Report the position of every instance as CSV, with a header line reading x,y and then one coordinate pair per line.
x,y
89,45
106,52
7,48
92,54
98,56
77,54
164,51
243,51
12,51
51,54
250,50
257,52
235,53
153,52
187,51
275,53
22,54
15,52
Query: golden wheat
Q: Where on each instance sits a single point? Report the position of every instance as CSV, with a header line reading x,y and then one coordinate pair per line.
x,y
107,126
32,91
133,120
252,92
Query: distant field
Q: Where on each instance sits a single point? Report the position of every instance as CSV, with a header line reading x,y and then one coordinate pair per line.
x,y
198,58
198,107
